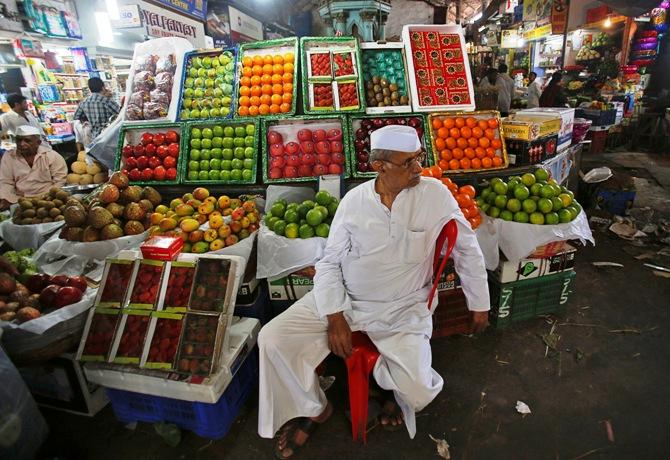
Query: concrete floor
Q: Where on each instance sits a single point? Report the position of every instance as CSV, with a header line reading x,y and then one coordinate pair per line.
x,y
609,369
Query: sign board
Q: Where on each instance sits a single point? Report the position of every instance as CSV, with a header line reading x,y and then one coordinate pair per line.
x,y
162,22
129,17
559,16
194,8
529,10
218,25
244,28
492,36
537,33
510,38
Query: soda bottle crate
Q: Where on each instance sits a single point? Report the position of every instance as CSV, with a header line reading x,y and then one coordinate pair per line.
x,y
451,316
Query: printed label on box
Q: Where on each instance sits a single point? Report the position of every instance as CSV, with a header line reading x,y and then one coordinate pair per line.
x,y
293,286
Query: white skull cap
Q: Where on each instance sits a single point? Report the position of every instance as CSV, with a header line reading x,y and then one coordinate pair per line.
x,y
27,130
399,138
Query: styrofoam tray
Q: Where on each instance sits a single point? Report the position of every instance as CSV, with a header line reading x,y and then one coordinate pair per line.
x,y
243,334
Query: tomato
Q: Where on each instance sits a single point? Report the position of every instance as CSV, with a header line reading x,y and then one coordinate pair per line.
x,y
468,190
436,171
464,201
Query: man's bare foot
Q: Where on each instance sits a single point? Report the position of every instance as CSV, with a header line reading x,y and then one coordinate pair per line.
x,y
391,417
295,433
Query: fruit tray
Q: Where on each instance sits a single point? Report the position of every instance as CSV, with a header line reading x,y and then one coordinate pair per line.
x,y
360,127
454,135
209,87
341,73
386,62
234,146
116,278
201,342
288,131
265,70
130,337
146,284
179,282
163,339
164,154
438,68
98,336
212,289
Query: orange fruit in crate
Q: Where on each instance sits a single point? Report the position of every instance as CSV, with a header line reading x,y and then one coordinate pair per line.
x,y
444,164
285,107
276,99
247,61
477,132
255,80
457,153
482,124
288,87
471,122
497,161
455,133
490,152
267,69
462,143
266,79
246,71
266,89
277,59
287,78
465,163
266,99
480,152
468,190
451,142
258,60
493,123
245,90
496,144
484,142
244,101
454,164
288,67
459,122
253,110
473,142
255,90
276,78
436,171
288,57
487,162
476,163
267,59
437,123
274,108
278,69
490,133
254,100
442,133
277,88
466,132
263,109
448,123
425,172
245,81
440,144
257,70
287,97
445,155
243,111
469,153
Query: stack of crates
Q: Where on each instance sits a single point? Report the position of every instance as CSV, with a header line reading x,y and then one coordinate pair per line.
x,y
451,315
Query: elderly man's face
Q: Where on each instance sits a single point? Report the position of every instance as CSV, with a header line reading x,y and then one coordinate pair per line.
x,y
401,169
27,145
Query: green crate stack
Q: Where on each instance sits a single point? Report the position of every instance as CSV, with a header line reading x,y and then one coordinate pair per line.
x,y
280,43
270,121
352,122
234,123
148,127
307,42
520,300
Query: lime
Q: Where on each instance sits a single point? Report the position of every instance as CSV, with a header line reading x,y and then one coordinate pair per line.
x,y
228,143
204,165
278,209
195,154
248,164
332,207
192,175
535,189
309,203
196,133
217,153
323,210
194,166
226,164
535,198
521,217
214,174
494,212
236,174
218,131
536,218
217,142
506,215
495,180
227,154
207,133
491,199
291,231
577,206
237,163
302,210
305,231
229,131
224,175
280,227
238,152
270,221
521,192
565,199
484,193
500,201
528,179
500,188
511,186
551,218
529,205
541,174
485,207
480,201
314,217
205,154
547,191
557,189
195,143
513,205
514,179
247,174
239,142
240,131
323,230
323,198
545,205
250,129
564,215
557,203
291,216
249,153
215,163
203,175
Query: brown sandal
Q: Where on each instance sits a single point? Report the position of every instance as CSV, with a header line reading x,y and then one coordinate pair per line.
x,y
304,424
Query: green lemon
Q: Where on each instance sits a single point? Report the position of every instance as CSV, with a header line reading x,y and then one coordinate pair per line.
x,y
323,230
323,198
278,209
486,192
564,215
314,217
535,189
565,199
529,206
332,207
513,205
500,188
485,207
528,179
521,217
558,204
541,174
551,218
305,231
545,205
500,201
291,231
547,191
323,210
280,227
291,216
506,215
537,218
494,212
521,192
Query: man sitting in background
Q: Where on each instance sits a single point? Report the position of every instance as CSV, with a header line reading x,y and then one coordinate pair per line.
x,y
30,170
19,115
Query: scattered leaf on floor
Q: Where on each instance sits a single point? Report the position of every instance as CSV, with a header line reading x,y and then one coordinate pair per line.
x,y
442,447
522,408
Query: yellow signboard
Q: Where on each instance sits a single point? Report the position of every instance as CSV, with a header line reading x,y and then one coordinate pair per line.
x,y
537,33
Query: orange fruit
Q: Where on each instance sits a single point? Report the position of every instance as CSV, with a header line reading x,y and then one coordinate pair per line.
x,y
266,79
482,124
277,88
466,132
440,144
463,200
446,154
455,133
453,188
267,59
497,161
278,69
490,133
457,153
245,81
247,72
255,80
288,88
436,171
490,152
245,90
288,67
276,78
484,142
267,69
477,132
287,97
277,59
443,133
257,70
266,99
493,123
243,111
287,77
274,108
473,142
244,101
425,172
468,190
285,107
480,152
487,162
496,144
444,164
471,122
448,123
451,142
247,61
437,123
253,110
476,163
461,142
254,100
266,89
276,99
288,57
263,109
465,163
258,60
256,90
454,164
459,122
475,221
469,153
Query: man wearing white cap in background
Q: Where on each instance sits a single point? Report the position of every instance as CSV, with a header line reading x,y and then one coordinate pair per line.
x,y
375,276
30,170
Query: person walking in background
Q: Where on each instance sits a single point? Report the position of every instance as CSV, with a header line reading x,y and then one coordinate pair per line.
x,y
19,115
97,107
553,95
505,85
534,91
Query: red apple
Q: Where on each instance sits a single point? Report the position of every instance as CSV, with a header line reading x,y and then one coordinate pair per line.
x,y
138,150
162,151
173,149
171,137
147,174
307,146
171,173
150,149
170,162
324,159
276,150
77,281
159,172
159,139
147,138
334,169
142,162
48,296
304,135
319,135
275,173
292,148
304,170
277,162
334,135
337,158
275,138
134,175
320,170
155,162
308,159
59,280
37,282
293,160
290,171
322,147
128,151
336,147
130,162
67,295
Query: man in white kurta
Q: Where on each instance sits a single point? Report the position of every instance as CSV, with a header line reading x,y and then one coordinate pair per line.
x,y
375,276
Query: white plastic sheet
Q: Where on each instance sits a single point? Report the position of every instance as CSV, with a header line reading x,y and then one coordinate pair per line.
x,y
27,236
517,241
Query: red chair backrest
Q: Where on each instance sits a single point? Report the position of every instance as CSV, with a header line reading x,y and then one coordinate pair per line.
x,y
449,234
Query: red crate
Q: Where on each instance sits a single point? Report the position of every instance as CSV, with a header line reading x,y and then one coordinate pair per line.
x,y
451,315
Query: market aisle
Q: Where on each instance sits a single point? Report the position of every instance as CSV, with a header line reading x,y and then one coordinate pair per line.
x,y
616,376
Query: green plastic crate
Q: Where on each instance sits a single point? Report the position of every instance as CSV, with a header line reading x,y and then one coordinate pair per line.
x,y
286,43
306,42
520,300
150,127
353,123
268,122
224,123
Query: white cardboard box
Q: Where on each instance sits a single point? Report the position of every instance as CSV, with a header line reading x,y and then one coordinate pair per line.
x,y
567,120
536,267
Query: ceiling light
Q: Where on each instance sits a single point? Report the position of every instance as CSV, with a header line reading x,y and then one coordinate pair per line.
x,y
113,10
608,22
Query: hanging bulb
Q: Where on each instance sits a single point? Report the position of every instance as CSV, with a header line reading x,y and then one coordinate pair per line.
x,y
608,22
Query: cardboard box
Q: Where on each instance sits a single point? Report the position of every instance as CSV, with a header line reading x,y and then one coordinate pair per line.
x,y
529,130
567,120
293,286
535,267
531,152
549,249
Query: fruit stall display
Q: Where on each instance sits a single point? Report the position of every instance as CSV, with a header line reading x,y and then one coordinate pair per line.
x,y
331,75
206,223
267,78
464,195
302,220
43,209
467,141
118,209
303,148
438,68
223,152
86,171
151,153
361,126
533,198
208,84
385,78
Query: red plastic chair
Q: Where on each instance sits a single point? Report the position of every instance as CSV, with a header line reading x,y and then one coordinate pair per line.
x,y
364,353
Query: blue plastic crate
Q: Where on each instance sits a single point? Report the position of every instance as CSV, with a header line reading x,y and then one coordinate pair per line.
x,y
210,421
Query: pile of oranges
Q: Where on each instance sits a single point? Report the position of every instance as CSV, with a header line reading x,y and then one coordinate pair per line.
x,y
266,85
464,195
467,143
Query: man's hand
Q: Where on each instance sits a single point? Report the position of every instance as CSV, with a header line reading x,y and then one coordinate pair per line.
x,y
480,321
339,335
4,204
